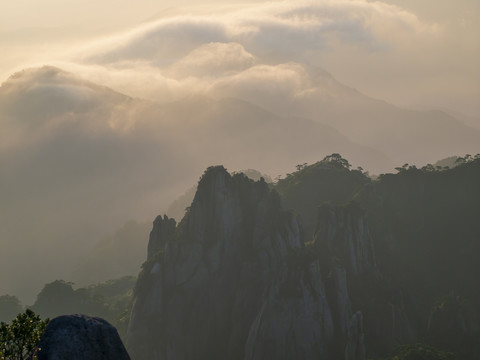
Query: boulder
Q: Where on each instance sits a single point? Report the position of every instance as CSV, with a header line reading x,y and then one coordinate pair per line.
x,y
80,337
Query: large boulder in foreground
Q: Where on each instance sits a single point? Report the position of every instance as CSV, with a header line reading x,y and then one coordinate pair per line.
x,y
80,337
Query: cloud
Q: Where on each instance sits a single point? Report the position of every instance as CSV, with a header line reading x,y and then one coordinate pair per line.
x,y
266,85
281,29
161,42
212,60
40,101
203,52
107,157
382,49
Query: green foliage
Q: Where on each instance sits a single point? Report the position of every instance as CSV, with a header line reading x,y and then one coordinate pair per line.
x,y
336,160
441,165
454,325
156,257
432,221
425,229
420,352
19,340
329,180
59,298
110,300
180,207
116,297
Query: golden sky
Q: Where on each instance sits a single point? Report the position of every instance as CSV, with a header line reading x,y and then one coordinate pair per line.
x,y
66,143
420,54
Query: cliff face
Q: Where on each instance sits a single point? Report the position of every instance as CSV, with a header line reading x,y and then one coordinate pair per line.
x,y
235,280
199,296
343,232
345,247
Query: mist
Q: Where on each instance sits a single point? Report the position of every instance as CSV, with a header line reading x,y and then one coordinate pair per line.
x,y
111,125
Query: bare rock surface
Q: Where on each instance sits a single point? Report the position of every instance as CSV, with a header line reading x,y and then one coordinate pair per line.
x,y
80,337
236,280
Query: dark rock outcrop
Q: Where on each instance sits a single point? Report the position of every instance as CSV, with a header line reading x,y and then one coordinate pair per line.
x,y
342,232
208,284
80,337
162,232
235,280
343,243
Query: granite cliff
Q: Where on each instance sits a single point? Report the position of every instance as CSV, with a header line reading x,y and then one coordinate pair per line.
x,y
236,279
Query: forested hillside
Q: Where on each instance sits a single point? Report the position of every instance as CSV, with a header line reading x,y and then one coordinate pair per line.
x,y
355,269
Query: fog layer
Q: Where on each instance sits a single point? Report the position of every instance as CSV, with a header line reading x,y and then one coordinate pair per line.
x,y
120,126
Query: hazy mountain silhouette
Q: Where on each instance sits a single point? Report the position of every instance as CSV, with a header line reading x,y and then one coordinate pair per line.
x,y
401,134
79,159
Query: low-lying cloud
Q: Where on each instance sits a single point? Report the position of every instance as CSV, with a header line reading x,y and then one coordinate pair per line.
x,y
173,57
242,86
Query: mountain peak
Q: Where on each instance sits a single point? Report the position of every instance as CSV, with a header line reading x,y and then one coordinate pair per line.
x,y
46,73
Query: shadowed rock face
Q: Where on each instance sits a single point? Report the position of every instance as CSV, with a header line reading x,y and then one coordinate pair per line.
x,y
80,337
236,281
198,297
163,230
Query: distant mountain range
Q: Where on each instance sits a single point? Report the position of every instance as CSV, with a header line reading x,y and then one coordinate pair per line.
x,y
78,159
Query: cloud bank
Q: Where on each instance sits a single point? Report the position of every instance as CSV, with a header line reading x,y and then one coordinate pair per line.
x,y
242,86
382,49
178,55
281,30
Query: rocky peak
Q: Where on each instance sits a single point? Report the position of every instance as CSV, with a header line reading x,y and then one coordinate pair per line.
x,y
206,287
162,232
237,281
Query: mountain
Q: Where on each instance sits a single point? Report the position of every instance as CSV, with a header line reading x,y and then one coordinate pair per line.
x,y
232,281
80,159
411,136
389,262
114,256
178,207
236,280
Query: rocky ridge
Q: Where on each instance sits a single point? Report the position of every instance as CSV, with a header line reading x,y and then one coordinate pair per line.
x,y
236,279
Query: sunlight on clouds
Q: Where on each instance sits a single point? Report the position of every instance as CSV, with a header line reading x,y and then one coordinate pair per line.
x,y
264,29
380,48
214,73
175,56
212,60
266,82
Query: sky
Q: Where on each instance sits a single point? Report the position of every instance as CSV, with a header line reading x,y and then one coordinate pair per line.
x,y
252,84
419,54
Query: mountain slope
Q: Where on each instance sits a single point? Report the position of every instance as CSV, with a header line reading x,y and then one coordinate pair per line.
x,y
236,279
80,159
403,135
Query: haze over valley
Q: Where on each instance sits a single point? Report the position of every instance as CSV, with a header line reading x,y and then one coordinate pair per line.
x,y
108,115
